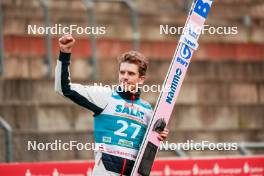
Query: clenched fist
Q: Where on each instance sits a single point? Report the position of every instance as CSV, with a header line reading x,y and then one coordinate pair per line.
x,y
66,43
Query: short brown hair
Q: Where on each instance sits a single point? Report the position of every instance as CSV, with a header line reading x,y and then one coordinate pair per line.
x,y
136,58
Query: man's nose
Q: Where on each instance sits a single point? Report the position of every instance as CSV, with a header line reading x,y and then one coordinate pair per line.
x,y
125,75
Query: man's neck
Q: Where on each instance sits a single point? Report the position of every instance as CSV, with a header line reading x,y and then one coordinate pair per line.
x,y
128,94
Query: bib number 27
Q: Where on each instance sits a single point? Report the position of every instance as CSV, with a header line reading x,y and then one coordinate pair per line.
x,y
125,126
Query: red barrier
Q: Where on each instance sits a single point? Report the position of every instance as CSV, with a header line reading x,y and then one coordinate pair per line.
x,y
226,166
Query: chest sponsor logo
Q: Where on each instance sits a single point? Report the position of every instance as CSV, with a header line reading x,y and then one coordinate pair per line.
x,y
129,110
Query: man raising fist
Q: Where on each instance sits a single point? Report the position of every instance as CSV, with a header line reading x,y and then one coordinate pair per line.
x,y
120,116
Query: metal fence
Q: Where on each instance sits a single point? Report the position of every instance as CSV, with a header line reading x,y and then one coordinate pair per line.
x,y
8,139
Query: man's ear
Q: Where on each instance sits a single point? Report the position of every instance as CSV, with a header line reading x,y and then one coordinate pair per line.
x,y
141,79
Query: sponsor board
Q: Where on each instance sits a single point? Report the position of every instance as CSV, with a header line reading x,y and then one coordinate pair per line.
x,y
242,166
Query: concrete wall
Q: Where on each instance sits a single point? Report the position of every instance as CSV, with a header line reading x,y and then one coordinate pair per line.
x,y
115,16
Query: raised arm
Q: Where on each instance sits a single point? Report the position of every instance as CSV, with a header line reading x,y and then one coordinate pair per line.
x,y
90,97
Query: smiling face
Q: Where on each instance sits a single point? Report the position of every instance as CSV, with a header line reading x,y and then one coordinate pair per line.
x,y
132,70
129,76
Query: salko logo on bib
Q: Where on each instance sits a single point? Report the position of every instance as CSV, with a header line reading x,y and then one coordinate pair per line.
x,y
126,109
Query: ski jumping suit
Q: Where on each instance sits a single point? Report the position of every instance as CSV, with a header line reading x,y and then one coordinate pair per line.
x,y
120,120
